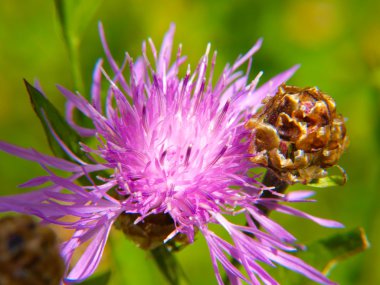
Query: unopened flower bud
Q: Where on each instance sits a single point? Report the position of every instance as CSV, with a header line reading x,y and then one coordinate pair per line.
x,y
29,253
297,134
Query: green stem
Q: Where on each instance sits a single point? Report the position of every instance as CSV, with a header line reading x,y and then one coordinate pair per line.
x,y
117,265
73,49
272,180
72,45
168,265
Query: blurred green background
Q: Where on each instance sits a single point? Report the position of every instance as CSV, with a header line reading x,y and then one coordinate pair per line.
x,y
336,42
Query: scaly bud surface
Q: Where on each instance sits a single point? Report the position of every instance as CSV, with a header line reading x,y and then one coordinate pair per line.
x,y
297,134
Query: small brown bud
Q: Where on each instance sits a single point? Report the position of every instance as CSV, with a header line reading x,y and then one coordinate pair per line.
x,y
29,253
151,232
297,134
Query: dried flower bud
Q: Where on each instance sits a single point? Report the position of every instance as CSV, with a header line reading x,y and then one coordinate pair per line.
x,y
297,134
29,253
151,232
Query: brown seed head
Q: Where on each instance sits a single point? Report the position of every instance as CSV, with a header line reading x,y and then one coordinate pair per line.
x,y
297,134
29,253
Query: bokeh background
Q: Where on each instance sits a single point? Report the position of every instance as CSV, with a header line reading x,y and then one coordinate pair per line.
x,y
336,42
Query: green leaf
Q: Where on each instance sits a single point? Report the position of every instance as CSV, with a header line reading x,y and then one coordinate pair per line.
x,y
331,180
168,265
324,255
101,279
51,118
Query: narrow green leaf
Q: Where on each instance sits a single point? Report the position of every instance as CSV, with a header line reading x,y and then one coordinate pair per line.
x,y
59,5
74,17
168,265
50,117
328,252
101,279
324,255
331,180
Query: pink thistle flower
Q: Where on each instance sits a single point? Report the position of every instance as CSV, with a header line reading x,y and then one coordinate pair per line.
x,y
174,146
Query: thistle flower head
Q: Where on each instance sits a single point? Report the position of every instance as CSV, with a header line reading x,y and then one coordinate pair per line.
x,y
175,152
